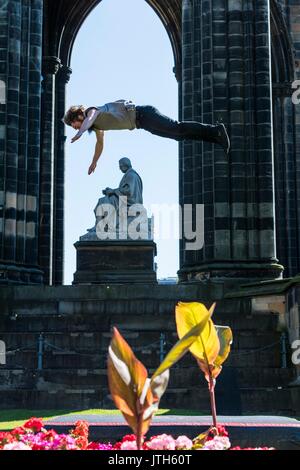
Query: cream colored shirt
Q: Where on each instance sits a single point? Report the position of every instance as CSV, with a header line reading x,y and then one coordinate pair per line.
x,y
117,115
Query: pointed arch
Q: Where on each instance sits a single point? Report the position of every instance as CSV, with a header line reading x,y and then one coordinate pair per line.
x,y
282,47
66,18
285,162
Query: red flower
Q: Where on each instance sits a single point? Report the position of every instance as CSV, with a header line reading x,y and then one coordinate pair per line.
x,y
18,431
222,431
81,429
129,437
218,431
6,438
82,442
37,447
93,446
117,446
35,424
50,435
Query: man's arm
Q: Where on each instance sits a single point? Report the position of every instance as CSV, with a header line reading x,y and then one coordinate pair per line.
x,y
98,151
87,123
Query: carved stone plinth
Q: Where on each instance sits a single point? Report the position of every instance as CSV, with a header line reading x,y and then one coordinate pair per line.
x,y
117,261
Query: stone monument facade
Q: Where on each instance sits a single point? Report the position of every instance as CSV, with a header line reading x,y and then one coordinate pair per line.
x,y
235,61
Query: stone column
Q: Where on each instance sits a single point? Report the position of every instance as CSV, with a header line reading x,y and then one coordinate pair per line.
x,y
33,133
227,77
62,78
20,72
14,30
285,179
51,66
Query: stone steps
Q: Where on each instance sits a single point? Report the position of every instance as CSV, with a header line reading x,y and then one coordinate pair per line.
x,y
150,357
56,379
84,344
252,401
99,341
103,322
76,324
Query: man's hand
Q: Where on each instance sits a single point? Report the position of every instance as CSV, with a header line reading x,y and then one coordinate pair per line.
x,y
76,137
98,151
92,167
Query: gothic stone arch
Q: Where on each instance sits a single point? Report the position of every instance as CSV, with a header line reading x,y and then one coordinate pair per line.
x,y
62,21
285,157
235,203
222,61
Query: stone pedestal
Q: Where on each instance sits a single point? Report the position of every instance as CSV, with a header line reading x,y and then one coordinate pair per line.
x,y
117,261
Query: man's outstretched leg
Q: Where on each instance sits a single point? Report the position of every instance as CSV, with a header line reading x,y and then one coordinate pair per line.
x,y
151,120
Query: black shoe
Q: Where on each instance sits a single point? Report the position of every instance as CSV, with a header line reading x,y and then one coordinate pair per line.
x,y
223,138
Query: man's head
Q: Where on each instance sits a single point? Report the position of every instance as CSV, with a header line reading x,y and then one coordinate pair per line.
x,y
75,116
124,164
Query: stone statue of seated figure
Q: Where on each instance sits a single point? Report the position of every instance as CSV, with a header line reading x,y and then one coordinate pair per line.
x,y
120,214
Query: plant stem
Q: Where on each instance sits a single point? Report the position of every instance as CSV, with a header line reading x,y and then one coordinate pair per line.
x,y
139,432
211,388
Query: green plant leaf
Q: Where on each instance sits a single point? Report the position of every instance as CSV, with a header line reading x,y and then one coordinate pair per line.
x,y
206,347
181,347
225,338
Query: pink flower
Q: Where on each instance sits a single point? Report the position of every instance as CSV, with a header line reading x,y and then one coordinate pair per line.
x,y
98,446
32,436
162,442
16,446
129,445
35,441
50,435
64,442
217,443
183,443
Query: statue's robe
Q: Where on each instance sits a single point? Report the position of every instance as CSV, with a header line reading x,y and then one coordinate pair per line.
x,y
130,186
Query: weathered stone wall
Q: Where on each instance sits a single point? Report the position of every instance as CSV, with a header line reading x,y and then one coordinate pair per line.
x,y
20,72
222,60
74,325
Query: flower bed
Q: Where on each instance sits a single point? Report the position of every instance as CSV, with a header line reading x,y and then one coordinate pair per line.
x,y
137,396
33,436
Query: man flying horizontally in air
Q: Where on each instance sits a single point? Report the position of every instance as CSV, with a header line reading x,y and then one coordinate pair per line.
x,y
124,114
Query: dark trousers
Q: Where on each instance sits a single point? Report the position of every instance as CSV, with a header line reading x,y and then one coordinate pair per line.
x,y
151,120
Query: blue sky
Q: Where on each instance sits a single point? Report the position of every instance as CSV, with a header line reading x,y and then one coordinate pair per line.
x,y
121,51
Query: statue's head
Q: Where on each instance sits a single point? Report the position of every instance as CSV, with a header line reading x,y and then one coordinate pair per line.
x,y
124,164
